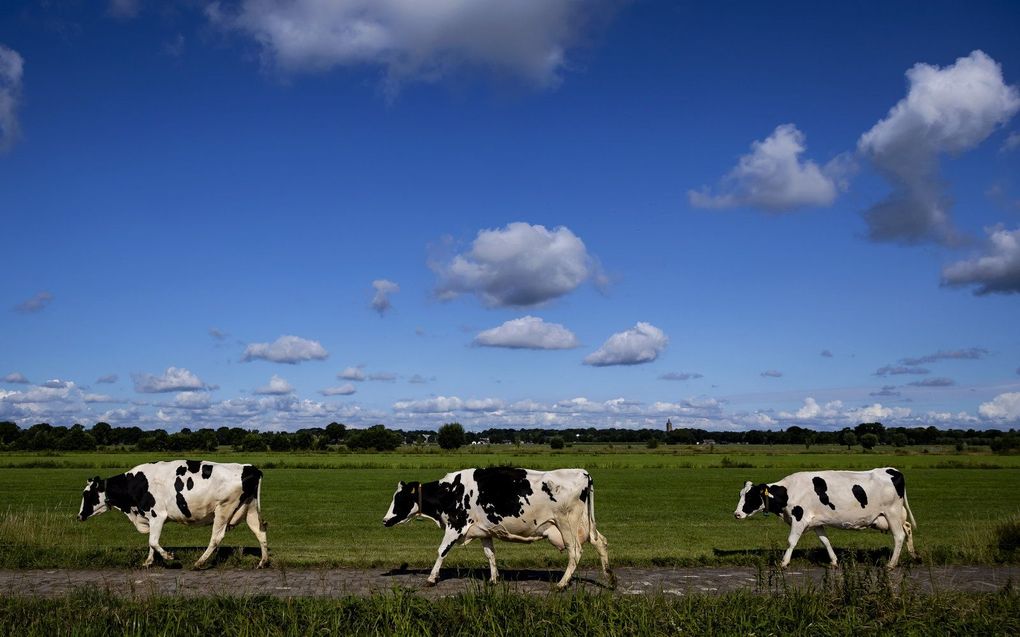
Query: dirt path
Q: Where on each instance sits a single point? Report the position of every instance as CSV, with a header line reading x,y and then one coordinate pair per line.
x,y
285,582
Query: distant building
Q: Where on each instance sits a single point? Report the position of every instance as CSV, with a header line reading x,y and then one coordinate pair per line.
x,y
669,425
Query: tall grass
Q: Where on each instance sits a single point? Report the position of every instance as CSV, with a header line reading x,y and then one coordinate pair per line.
x,y
859,600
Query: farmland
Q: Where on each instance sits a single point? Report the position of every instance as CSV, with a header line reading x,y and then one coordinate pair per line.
x,y
666,506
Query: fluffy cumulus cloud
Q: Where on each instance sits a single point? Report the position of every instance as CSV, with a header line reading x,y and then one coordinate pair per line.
x,y
277,387
834,414
34,304
11,70
381,299
413,40
16,378
946,111
351,373
342,390
528,332
995,272
640,344
772,177
1004,408
521,265
286,349
173,379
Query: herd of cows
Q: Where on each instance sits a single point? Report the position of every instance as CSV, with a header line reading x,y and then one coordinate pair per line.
x,y
517,505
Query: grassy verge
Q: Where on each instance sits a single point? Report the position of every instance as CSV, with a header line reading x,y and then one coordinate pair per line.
x,y
861,602
657,509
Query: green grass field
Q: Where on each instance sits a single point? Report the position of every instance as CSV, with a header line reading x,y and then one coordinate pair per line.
x,y
669,506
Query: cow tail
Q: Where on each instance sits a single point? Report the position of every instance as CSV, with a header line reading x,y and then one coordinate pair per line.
x,y
906,505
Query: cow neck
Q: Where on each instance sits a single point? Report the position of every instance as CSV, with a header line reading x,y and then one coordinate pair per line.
x,y
430,500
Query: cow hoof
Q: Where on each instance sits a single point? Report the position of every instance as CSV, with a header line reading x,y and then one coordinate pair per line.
x,y
429,583
611,578
832,566
264,564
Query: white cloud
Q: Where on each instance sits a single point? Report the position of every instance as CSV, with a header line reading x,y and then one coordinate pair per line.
x,y
277,387
772,177
1004,408
437,405
11,70
286,349
520,265
528,332
352,373
412,40
192,400
946,110
16,377
640,344
386,377
381,299
997,271
35,304
343,390
834,414
108,379
772,373
173,379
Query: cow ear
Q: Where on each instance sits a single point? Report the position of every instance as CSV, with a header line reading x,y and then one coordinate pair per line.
x,y
401,484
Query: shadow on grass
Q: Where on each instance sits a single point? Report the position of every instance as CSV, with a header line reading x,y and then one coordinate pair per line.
x,y
815,556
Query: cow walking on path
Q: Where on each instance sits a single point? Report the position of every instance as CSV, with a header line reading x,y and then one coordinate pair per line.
x,y
191,492
516,505
875,499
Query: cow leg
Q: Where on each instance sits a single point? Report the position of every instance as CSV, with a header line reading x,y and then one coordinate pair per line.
x,y
909,529
795,532
155,528
602,546
258,527
573,546
449,539
220,523
820,532
491,555
899,534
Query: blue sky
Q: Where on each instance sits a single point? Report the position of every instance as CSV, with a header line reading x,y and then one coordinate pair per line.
x,y
551,213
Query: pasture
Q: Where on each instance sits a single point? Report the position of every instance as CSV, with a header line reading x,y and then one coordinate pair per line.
x,y
667,506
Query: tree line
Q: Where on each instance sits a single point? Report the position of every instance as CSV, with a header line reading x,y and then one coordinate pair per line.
x,y
337,436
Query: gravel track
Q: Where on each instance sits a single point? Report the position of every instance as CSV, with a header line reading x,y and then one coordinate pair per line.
x,y
284,582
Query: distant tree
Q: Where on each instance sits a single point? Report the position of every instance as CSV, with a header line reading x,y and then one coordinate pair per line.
x,y
809,439
849,439
101,432
9,432
868,441
556,442
335,433
376,437
451,436
251,443
899,439
77,439
653,443
876,428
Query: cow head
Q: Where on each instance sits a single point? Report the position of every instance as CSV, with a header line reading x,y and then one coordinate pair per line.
x,y
760,497
93,499
405,504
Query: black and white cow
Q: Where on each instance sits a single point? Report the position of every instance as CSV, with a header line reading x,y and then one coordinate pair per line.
x,y
191,492
517,505
875,499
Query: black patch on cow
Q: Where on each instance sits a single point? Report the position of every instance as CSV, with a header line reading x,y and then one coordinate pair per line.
x,y
798,513
753,499
191,483
181,470
206,471
502,492
777,499
548,491
127,490
182,504
403,501
250,479
898,481
152,513
90,498
861,496
193,465
822,490
453,503
587,489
